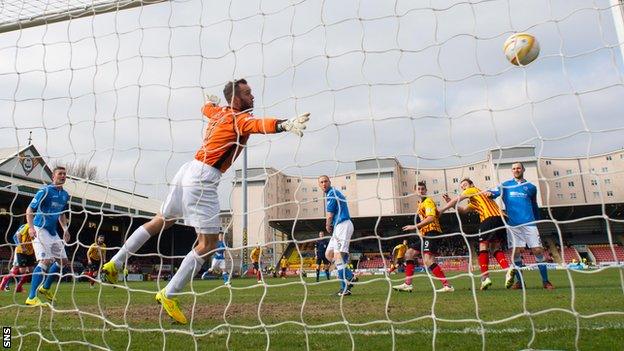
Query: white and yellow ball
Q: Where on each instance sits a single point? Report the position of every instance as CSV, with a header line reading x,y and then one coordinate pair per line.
x,y
521,49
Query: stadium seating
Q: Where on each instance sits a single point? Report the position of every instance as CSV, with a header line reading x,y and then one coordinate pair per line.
x,y
603,253
569,254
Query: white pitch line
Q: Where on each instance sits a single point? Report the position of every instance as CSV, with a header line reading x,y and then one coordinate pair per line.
x,y
402,331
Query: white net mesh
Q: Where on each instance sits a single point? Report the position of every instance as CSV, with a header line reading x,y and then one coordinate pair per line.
x,y
399,92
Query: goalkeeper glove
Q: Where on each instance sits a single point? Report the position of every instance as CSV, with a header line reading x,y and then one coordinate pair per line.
x,y
294,125
213,99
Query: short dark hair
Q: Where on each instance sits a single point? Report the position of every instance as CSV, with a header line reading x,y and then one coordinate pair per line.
x,y
520,163
422,183
231,89
466,180
58,168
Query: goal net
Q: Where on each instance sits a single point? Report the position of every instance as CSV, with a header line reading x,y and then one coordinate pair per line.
x,y
400,92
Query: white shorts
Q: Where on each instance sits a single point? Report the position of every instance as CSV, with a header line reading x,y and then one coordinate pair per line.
x,y
193,197
341,237
217,263
523,236
48,246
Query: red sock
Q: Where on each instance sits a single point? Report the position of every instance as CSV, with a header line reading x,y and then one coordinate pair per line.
x,y
502,259
13,272
258,275
484,262
392,269
409,272
23,280
438,273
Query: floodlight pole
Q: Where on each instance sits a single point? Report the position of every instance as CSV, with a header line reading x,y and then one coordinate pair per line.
x,y
617,10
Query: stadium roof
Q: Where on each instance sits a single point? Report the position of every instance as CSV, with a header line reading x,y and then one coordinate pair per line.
x,y
24,171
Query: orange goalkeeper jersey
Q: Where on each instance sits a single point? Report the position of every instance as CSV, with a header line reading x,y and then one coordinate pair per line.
x,y
227,133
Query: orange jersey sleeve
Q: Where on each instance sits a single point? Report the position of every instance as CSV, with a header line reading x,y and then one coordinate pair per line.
x,y
227,133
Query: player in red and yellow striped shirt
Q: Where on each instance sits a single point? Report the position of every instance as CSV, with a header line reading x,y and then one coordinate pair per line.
x,y
492,228
428,228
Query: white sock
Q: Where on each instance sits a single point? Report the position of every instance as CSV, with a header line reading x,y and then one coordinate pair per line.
x,y
132,245
191,264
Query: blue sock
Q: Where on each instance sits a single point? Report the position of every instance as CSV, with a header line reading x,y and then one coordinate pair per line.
x,y
340,272
37,278
345,258
55,268
518,263
542,267
226,277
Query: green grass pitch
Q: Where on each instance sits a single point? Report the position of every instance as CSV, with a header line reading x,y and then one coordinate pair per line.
x,y
286,315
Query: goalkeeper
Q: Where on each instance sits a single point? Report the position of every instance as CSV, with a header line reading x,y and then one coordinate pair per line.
x,y
193,190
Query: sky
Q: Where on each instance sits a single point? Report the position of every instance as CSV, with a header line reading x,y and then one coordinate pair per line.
x,y
423,81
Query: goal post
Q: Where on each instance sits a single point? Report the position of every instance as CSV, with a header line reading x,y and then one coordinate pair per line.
x,y
16,15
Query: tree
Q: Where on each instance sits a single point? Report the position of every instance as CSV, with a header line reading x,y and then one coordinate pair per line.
x,y
81,169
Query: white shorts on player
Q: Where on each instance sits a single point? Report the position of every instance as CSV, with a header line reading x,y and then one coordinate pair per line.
x,y
48,246
217,263
193,196
523,236
341,237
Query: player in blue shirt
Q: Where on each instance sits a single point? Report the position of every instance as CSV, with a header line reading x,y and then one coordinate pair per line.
x,y
320,247
46,210
218,260
520,199
338,224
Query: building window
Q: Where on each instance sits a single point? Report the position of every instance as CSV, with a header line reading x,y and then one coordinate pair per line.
x,y
556,173
438,203
605,169
348,177
305,190
487,177
572,195
287,191
571,184
455,180
455,191
344,187
594,182
483,166
558,185
607,181
471,168
315,189
435,181
609,158
417,173
316,209
548,163
404,194
559,196
288,180
305,199
404,183
404,172
305,211
596,194
609,193
622,156
287,212
315,199
405,205
436,192
568,171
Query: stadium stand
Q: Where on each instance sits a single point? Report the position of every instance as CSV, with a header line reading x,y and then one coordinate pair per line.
x,y
603,253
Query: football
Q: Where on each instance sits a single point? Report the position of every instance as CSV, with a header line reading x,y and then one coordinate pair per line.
x,y
521,49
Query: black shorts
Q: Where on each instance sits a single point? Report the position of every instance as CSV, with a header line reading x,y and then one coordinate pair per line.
x,y
284,269
428,243
495,229
399,261
322,260
94,266
24,260
256,266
